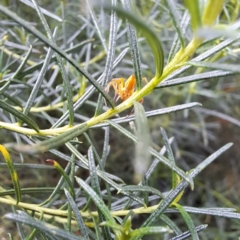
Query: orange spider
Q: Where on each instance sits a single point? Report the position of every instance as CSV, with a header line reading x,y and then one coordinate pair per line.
x,y
123,89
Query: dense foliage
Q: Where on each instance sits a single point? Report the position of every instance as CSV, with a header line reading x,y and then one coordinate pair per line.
x,y
115,173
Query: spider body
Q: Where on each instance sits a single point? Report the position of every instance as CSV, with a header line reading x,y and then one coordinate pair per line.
x,y
123,90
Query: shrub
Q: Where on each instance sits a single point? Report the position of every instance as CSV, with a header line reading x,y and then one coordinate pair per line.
x,y
56,101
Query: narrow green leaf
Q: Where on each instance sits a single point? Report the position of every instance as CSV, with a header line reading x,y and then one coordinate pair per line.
x,y
127,220
37,190
175,18
39,64
96,188
28,166
55,142
47,236
219,212
34,231
38,83
41,226
64,174
77,214
89,91
156,161
194,10
203,56
107,75
94,18
167,145
108,178
92,152
188,221
18,71
176,42
19,226
171,224
149,231
142,155
133,44
187,234
39,35
57,187
212,10
96,229
44,11
175,178
10,236
144,183
13,173
161,158
135,188
219,66
209,160
181,186
150,35
98,201
19,115
67,84
13,100
220,115
151,113
106,147
93,172
112,225
194,78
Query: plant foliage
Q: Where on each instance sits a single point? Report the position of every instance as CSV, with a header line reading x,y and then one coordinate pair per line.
x,y
56,60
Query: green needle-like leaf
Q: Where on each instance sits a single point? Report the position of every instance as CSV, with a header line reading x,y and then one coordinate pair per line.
x,y
96,187
133,44
142,156
212,9
12,171
161,158
187,234
174,15
44,227
148,33
149,231
77,214
99,203
183,184
54,142
188,221
38,82
39,35
67,85
175,178
194,10
96,199
63,173
219,66
194,78
39,64
135,188
19,115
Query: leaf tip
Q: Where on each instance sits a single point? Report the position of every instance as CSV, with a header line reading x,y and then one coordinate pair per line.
x,y
51,161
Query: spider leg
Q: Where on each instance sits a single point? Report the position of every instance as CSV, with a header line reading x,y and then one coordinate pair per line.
x,y
117,98
118,86
141,100
145,80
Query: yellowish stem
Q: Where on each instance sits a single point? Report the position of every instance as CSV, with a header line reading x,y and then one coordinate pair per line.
x,y
64,213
